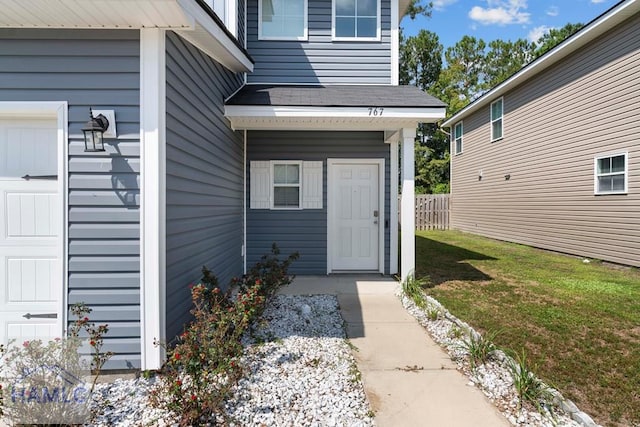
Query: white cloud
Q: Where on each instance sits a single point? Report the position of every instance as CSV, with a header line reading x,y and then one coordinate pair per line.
x,y
553,11
501,12
598,1
537,32
442,4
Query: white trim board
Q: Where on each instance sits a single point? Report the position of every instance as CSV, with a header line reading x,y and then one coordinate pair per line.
x,y
59,111
331,163
152,203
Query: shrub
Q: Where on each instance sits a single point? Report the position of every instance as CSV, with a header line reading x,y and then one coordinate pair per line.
x,y
204,366
43,380
479,348
528,387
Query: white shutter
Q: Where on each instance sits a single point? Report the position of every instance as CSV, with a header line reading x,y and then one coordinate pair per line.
x,y
312,185
260,188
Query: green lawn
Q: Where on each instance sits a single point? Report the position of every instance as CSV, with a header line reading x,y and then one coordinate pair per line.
x,y
579,323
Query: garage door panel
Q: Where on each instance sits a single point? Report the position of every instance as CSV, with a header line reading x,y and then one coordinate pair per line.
x,y
30,215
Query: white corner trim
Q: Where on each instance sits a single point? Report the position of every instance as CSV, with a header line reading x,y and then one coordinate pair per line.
x,y
57,110
393,195
152,201
244,203
395,43
407,210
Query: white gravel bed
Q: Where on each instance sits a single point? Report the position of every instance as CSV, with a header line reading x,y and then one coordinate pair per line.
x,y
493,377
300,372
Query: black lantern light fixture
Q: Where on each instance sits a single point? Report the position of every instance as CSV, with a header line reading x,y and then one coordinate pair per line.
x,y
94,132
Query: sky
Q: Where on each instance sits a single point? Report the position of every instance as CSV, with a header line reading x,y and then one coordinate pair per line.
x,y
502,19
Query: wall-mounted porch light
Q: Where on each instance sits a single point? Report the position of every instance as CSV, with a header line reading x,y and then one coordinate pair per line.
x,y
94,132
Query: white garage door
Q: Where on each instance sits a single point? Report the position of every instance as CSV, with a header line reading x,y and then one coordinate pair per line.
x,y
30,276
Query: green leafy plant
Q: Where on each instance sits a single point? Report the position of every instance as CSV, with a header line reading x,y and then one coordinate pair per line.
x,y
433,313
413,288
479,348
455,332
205,364
528,386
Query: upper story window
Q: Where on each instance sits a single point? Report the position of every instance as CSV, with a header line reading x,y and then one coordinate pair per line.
x,y
356,19
496,119
611,174
282,19
457,137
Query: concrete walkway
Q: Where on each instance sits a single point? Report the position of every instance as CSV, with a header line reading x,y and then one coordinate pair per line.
x,y
409,380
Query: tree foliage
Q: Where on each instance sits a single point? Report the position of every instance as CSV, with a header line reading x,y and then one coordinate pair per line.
x,y
553,37
417,8
457,76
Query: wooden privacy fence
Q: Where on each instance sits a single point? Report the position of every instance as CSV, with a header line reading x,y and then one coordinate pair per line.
x,y
432,212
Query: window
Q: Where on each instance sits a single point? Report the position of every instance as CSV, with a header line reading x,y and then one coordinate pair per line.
x,y
359,19
496,120
611,174
285,184
282,19
457,136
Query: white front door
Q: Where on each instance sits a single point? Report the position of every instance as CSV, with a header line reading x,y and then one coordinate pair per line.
x,y
355,216
30,276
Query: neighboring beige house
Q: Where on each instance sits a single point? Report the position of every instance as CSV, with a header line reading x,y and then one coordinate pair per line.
x,y
551,157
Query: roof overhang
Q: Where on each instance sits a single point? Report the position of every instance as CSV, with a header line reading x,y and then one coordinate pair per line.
x,y
614,16
187,17
329,118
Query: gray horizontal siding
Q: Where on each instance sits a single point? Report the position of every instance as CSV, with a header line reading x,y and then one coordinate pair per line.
x,y
319,59
204,177
305,231
99,69
554,126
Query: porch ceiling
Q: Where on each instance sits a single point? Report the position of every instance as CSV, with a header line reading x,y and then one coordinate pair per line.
x,y
339,107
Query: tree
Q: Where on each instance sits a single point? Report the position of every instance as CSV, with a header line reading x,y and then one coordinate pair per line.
x,y
416,7
555,36
420,59
505,58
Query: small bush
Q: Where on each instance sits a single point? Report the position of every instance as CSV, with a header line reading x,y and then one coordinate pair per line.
x,y
479,348
202,368
51,369
528,387
413,288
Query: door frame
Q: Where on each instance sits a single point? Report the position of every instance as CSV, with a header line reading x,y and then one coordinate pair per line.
x,y
57,110
331,221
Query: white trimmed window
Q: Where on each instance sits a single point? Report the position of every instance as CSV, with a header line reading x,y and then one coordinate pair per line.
x,y
356,19
457,137
282,19
290,184
496,119
611,174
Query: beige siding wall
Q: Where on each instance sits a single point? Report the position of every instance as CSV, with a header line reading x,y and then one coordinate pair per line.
x,y
554,126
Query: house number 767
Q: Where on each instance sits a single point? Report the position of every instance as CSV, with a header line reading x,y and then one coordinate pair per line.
x,y
375,111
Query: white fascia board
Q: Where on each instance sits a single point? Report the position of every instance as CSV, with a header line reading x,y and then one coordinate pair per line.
x,y
335,112
209,37
587,34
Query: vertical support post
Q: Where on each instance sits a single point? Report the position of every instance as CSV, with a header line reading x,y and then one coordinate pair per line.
x,y
408,219
153,202
393,221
